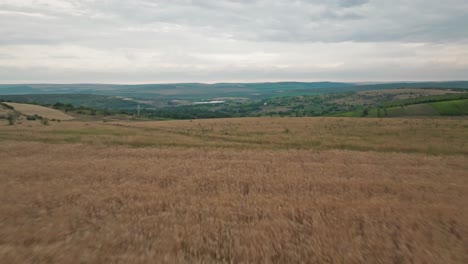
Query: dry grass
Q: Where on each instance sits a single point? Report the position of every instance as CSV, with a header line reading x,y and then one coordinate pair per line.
x,y
29,109
431,136
255,194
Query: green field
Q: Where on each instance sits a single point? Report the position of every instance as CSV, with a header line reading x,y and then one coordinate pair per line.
x,y
447,108
458,107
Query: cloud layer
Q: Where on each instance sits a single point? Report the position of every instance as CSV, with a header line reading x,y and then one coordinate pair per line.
x,y
232,40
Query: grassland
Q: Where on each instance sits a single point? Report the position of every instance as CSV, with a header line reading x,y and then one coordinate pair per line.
x,y
317,190
457,107
45,112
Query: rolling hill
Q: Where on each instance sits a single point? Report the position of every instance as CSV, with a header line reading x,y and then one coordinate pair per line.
x,y
189,101
37,110
192,91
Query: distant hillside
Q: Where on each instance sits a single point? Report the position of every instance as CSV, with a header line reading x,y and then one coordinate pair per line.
x,y
451,84
175,91
197,91
270,99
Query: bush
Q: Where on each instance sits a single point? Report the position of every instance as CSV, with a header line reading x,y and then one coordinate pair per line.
x,y
45,121
31,117
365,112
12,118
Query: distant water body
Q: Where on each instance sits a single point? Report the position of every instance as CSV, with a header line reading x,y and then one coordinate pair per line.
x,y
210,102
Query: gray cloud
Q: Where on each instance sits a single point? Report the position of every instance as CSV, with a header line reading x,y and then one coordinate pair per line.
x,y
263,38
352,3
275,20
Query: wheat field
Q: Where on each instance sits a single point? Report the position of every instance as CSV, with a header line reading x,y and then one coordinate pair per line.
x,y
46,112
256,190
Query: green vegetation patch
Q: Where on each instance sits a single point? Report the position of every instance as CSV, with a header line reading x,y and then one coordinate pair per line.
x,y
447,108
427,99
412,110
457,107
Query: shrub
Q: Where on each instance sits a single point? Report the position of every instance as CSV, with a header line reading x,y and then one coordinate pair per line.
x,y
365,112
45,121
12,118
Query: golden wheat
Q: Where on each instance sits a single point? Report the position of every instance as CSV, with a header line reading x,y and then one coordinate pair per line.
x,y
429,136
233,191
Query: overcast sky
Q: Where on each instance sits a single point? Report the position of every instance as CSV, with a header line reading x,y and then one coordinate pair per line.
x,y
156,41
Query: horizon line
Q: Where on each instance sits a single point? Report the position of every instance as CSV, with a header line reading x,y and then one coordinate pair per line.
x,y
226,82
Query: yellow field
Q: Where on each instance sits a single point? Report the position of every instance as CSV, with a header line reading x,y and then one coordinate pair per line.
x,y
29,109
426,136
259,190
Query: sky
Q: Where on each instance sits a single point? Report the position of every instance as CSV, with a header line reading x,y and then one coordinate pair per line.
x,y
156,41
